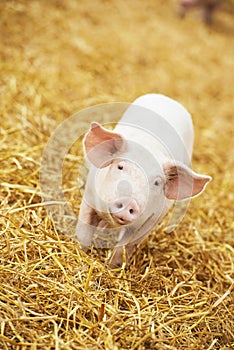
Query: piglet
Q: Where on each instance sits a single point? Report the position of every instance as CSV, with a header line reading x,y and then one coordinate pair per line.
x,y
207,8
137,172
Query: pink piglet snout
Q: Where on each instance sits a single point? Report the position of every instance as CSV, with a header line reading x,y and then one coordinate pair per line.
x,y
125,210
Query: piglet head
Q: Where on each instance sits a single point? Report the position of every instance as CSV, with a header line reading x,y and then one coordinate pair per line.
x,y
126,188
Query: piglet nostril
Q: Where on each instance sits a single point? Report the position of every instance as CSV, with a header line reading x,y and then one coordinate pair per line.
x,y
131,211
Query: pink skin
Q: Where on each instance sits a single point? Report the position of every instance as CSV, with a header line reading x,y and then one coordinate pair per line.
x,y
120,192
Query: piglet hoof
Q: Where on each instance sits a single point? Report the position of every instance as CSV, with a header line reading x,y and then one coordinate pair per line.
x,y
83,248
121,255
118,257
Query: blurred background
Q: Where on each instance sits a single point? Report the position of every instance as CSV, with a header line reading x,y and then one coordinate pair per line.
x,y
64,55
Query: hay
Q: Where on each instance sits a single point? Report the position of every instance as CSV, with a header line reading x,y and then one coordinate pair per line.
x,y
177,293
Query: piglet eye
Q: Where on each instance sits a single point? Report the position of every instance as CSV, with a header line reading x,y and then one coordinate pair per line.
x,y
158,181
121,165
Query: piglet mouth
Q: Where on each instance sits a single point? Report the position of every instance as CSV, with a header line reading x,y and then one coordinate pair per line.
x,y
120,220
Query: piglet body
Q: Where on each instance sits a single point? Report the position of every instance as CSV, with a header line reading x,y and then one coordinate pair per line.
x,y
137,171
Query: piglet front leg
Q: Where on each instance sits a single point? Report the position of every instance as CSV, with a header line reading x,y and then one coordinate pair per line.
x,y
123,247
91,229
84,228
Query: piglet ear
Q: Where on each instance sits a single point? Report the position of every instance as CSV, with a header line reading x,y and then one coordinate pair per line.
x,y
101,145
182,182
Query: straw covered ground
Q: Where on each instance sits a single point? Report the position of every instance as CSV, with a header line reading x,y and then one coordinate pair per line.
x,y
57,57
